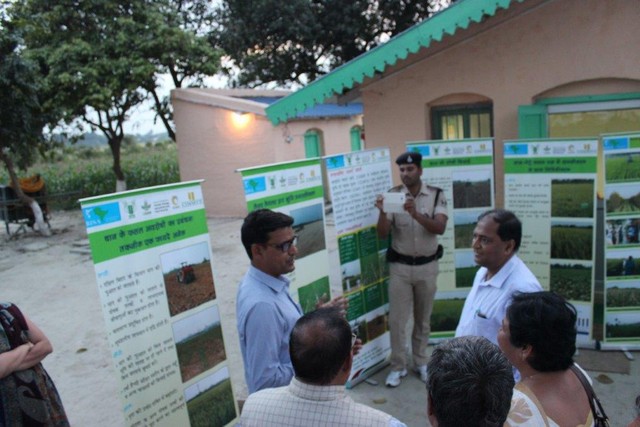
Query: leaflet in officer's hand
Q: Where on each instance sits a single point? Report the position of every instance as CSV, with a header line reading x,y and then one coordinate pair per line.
x,y
394,202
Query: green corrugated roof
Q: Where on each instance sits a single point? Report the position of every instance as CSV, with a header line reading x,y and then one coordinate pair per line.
x,y
420,36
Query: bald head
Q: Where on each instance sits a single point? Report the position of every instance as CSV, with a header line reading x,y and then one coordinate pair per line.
x,y
319,346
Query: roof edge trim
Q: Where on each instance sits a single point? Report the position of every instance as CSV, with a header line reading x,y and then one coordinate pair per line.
x,y
377,60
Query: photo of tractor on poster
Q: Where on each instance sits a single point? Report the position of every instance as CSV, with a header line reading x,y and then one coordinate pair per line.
x,y
188,279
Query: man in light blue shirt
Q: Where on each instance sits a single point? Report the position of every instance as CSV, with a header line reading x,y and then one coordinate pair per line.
x,y
265,311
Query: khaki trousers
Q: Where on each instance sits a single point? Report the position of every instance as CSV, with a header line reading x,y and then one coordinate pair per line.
x,y
412,289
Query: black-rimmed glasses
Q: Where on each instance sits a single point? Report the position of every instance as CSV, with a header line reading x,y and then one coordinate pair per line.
x,y
285,246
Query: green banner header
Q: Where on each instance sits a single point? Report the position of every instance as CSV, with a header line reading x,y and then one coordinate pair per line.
x,y
140,191
129,239
456,161
279,167
284,199
550,165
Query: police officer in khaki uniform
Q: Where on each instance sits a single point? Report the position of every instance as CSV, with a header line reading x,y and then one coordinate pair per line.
x,y
413,263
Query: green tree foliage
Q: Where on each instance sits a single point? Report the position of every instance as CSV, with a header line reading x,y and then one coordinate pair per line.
x,y
22,117
103,58
295,41
89,55
178,45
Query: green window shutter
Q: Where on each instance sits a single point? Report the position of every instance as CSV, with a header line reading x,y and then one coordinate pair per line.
x,y
356,142
311,144
532,121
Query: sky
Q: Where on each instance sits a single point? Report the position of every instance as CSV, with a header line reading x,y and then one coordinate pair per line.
x,y
141,117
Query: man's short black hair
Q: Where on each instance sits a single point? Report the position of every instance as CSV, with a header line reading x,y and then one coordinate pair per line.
x,y
470,382
547,322
258,224
509,226
319,346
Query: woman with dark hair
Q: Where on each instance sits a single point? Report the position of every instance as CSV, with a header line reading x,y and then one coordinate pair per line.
x,y
538,336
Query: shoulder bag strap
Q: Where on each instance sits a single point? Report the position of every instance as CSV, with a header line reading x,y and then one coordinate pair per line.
x,y
598,413
435,203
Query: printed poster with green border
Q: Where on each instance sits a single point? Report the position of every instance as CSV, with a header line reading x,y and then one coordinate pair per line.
x,y
550,184
152,256
295,188
622,245
355,179
463,169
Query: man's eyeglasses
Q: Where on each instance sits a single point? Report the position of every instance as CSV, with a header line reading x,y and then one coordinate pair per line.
x,y
354,338
285,246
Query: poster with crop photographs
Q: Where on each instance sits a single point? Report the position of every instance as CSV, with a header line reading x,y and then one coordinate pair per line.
x,y
622,246
463,169
152,255
551,186
355,179
295,188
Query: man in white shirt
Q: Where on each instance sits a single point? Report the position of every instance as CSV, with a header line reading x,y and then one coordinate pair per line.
x,y
321,350
496,239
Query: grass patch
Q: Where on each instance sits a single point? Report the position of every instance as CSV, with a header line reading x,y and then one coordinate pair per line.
x,y
88,172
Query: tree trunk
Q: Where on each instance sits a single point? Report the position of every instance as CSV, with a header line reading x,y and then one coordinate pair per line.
x,y
121,182
163,115
40,225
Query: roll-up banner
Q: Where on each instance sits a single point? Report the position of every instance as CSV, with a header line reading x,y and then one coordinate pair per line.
x,y
152,255
622,246
463,169
355,179
550,184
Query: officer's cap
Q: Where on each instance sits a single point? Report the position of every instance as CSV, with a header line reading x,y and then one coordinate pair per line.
x,y
410,158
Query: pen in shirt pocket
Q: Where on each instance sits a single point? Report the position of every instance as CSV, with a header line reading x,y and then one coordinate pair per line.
x,y
480,314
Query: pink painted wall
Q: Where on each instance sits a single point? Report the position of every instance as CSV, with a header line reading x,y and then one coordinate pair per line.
x,y
212,148
557,48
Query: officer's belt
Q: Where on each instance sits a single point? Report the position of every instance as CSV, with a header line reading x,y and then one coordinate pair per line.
x,y
393,256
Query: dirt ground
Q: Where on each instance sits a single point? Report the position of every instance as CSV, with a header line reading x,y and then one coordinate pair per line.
x,y
53,281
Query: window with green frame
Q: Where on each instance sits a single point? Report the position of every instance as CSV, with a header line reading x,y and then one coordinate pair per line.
x,y
312,144
579,116
462,121
356,138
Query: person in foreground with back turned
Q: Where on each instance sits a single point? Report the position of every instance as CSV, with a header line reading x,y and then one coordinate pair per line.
x,y
321,348
538,336
469,384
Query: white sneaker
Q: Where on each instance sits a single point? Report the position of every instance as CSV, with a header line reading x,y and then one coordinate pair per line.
x,y
393,379
422,372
